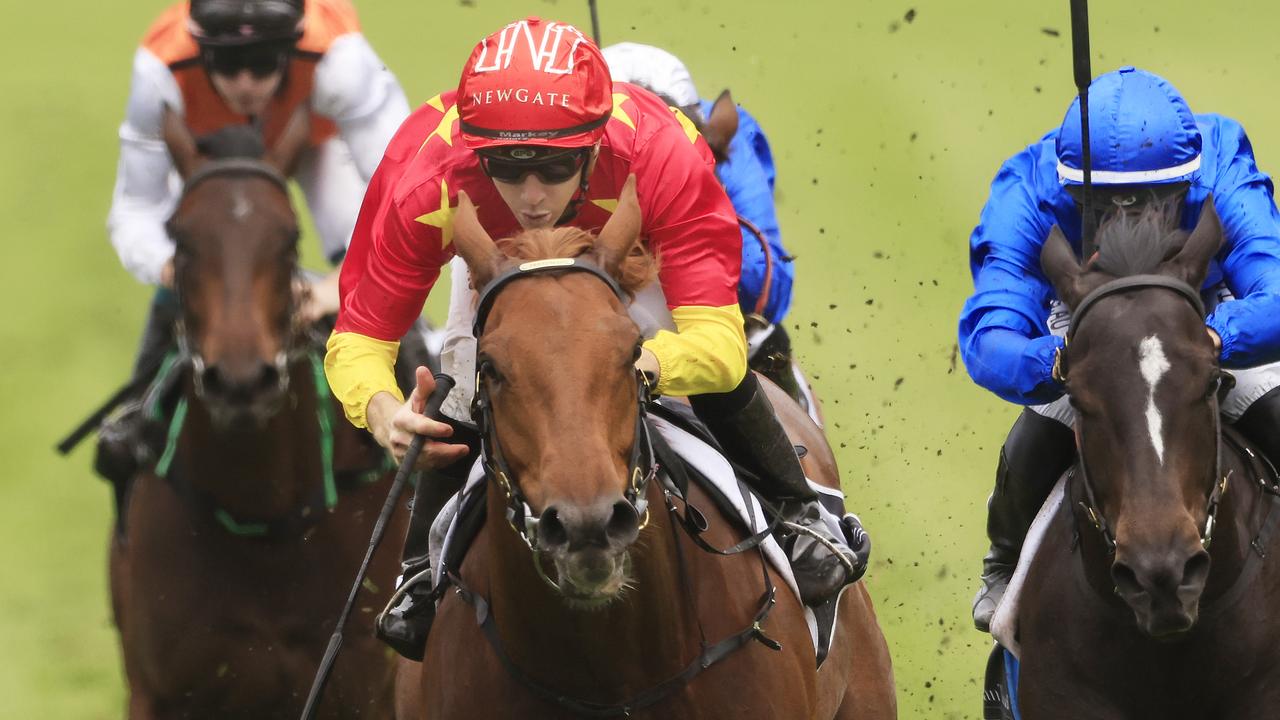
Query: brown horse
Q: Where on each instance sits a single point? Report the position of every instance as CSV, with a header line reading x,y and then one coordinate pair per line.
x,y
1152,595
240,545
637,601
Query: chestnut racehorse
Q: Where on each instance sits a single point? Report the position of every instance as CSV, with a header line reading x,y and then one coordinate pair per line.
x,y
1154,592
240,545
625,627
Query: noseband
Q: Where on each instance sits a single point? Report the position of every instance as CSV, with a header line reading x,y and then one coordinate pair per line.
x,y
1090,504
219,168
641,468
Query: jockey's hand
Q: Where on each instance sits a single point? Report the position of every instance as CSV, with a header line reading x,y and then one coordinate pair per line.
x,y
648,363
1217,341
319,298
394,424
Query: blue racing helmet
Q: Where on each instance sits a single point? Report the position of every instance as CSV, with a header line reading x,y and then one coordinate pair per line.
x,y
1141,132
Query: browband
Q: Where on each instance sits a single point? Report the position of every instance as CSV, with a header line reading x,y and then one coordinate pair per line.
x,y
235,166
530,267
1128,283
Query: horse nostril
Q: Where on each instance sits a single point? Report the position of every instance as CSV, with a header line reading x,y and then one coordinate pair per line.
x,y
1125,579
212,380
269,378
552,533
1196,571
623,525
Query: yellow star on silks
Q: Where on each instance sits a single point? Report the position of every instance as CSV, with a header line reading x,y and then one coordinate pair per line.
x,y
436,103
444,130
690,130
606,204
442,218
619,113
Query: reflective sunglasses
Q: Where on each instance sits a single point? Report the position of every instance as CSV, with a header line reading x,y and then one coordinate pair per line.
x,y
261,61
551,170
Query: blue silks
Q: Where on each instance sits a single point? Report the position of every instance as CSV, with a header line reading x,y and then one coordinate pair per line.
x,y
1003,337
748,177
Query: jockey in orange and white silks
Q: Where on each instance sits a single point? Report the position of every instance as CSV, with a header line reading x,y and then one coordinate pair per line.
x,y
208,65
538,135
216,63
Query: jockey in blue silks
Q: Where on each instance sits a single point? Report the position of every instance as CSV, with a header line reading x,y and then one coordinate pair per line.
x,y
744,165
1147,146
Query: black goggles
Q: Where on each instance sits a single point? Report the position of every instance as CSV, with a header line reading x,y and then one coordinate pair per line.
x,y
261,61
551,169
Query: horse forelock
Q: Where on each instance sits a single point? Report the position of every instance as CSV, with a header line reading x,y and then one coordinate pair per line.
x,y
1131,244
639,269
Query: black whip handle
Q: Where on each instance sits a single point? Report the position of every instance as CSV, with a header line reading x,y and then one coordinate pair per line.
x,y
444,384
1083,77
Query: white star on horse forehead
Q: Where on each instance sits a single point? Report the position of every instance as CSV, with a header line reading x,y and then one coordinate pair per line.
x,y
1153,364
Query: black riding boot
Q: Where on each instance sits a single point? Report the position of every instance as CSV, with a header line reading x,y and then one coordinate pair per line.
x,y
769,353
405,624
123,446
1261,424
1036,453
744,424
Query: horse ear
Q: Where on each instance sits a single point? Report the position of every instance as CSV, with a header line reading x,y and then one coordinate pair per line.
x,y
180,142
1191,264
1058,261
722,124
295,139
619,235
473,243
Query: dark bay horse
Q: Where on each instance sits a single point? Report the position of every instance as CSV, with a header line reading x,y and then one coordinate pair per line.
x,y
241,543
636,598
1154,593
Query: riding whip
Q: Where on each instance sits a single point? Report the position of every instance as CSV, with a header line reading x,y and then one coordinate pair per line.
x,y
595,22
444,384
91,423
1083,76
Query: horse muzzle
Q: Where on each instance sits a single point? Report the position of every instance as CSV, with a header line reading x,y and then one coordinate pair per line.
x,y
241,392
1162,589
589,547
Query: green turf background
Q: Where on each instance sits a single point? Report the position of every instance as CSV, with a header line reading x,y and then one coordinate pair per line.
x,y
886,133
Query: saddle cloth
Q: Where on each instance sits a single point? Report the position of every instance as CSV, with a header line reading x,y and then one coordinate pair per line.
x,y
710,466
1004,625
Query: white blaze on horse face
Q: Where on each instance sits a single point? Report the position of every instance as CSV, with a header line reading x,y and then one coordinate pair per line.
x,y
241,206
1153,365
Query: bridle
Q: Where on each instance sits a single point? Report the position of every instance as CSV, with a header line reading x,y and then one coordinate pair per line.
x,y
641,467
1090,503
186,348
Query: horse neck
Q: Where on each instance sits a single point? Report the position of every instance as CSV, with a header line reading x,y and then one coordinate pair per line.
x,y
258,471
641,639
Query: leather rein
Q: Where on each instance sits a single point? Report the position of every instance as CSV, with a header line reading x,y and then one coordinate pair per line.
x,y
642,469
1090,504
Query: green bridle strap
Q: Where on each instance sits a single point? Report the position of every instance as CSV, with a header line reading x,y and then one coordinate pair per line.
x,y
324,418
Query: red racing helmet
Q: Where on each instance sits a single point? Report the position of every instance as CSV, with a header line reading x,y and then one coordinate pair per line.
x,y
534,82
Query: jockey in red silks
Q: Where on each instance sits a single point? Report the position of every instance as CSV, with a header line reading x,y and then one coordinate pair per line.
x,y
538,135
216,64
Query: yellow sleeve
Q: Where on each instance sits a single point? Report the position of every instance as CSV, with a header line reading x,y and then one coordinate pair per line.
x,y
707,354
359,367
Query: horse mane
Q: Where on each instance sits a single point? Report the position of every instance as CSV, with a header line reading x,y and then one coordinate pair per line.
x,y
1136,244
233,141
639,269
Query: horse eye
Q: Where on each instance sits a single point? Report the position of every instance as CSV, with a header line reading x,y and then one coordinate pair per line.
x,y
488,370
